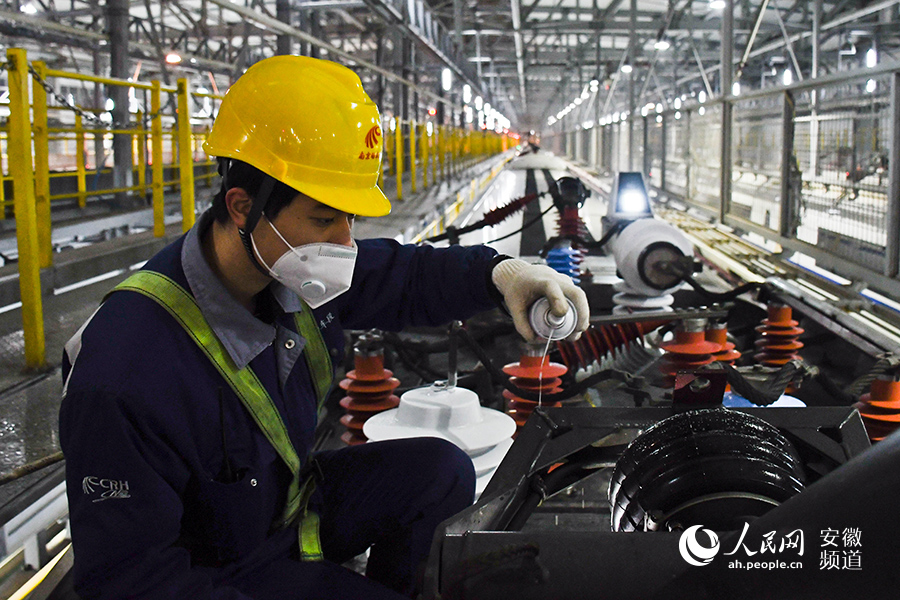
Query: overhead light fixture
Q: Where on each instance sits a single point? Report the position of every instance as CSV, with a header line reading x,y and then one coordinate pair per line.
x,y
644,111
173,58
585,94
446,79
659,107
701,111
717,4
110,104
701,97
662,45
871,57
677,114
871,86
788,77
659,118
677,103
736,88
29,9
578,100
626,67
481,59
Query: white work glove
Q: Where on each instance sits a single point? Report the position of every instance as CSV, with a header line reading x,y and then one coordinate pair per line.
x,y
521,284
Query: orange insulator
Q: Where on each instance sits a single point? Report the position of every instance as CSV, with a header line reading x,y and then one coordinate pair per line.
x,y
880,408
718,334
688,351
369,390
778,342
533,372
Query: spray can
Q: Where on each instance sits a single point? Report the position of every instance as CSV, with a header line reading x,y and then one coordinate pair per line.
x,y
547,325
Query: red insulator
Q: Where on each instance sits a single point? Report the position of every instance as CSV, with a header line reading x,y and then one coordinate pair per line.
x,y
534,373
369,391
718,334
778,337
880,408
570,223
688,351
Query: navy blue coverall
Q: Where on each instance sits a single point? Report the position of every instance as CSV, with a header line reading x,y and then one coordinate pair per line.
x,y
173,489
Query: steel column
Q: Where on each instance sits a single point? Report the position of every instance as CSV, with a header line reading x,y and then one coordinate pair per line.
x,y
788,226
725,79
892,251
117,18
41,166
185,155
22,174
284,41
80,175
156,142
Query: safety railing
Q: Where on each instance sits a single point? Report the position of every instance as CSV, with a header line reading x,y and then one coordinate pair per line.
x,y
48,138
464,197
814,167
432,153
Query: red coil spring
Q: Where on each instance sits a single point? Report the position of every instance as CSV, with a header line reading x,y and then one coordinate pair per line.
x,y
532,373
598,342
880,408
687,352
778,337
718,334
369,390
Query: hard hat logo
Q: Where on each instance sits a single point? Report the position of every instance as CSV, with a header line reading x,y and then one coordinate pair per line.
x,y
373,136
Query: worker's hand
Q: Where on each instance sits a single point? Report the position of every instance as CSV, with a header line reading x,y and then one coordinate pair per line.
x,y
521,284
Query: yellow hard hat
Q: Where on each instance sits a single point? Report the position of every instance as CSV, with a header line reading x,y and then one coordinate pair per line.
x,y
309,124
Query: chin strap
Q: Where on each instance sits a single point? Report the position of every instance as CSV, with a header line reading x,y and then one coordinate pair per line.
x,y
256,212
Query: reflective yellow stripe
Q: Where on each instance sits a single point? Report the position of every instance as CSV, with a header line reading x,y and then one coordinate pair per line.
x,y
316,352
183,308
310,546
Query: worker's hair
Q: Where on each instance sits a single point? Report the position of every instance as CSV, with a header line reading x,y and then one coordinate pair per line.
x,y
248,177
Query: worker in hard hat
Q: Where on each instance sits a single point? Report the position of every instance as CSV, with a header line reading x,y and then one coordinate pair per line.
x,y
191,396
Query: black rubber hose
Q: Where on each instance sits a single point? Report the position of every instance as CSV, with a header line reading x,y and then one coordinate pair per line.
x,y
723,296
523,227
544,486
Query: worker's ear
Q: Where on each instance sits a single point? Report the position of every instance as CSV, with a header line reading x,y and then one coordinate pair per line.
x,y
238,203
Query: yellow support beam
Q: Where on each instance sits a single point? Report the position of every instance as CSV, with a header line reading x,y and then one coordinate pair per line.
x,y
398,157
185,155
22,172
439,145
424,151
412,155
80,170
141,142
156,140
41,166
432,149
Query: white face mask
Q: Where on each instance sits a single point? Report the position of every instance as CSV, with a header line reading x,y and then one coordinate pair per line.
x,y
318,273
